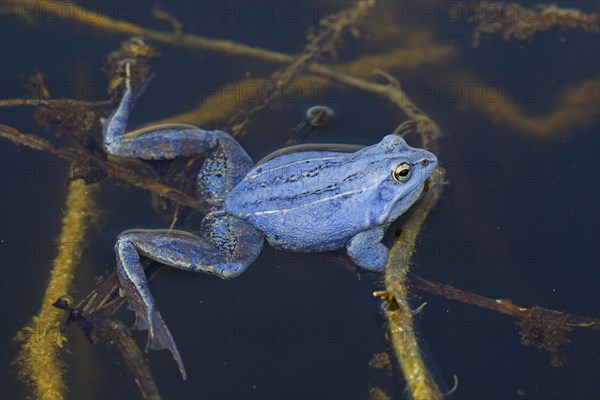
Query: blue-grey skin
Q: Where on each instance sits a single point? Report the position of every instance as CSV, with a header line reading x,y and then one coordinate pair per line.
x,y
305,202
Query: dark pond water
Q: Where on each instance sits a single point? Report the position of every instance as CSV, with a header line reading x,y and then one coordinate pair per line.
x,y
518,220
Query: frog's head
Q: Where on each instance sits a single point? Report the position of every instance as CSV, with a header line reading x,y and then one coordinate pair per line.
x,y
398,179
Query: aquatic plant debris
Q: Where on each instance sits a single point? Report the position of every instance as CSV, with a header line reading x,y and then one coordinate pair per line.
x,y
421,385
39,362
317,44
546,330
559,121
99,166
376,393
513,20
381,361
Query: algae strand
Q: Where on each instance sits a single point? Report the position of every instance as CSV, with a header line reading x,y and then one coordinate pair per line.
x,y
43,339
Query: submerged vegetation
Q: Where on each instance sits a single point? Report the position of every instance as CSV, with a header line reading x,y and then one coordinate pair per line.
x,y
40,362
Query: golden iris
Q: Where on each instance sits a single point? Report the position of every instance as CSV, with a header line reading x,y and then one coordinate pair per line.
x,y
401,172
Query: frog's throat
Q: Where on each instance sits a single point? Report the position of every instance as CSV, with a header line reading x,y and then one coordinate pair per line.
x,y
401,204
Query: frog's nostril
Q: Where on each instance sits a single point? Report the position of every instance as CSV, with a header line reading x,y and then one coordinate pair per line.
x,y
425,162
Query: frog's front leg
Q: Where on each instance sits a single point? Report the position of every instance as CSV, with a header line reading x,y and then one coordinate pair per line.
x,y
366,249
226,250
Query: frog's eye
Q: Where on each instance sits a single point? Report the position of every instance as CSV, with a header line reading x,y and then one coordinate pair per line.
x,y
401,172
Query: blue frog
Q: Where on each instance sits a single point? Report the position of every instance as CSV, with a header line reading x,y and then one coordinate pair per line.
x,y
310,201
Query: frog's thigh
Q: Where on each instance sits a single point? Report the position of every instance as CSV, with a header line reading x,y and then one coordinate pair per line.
x,y
186,251
366,249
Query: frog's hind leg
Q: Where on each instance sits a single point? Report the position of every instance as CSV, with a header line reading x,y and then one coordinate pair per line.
x,y
226,248
226,164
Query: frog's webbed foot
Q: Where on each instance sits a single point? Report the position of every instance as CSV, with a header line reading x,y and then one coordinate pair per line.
x,y
135,287
147,317
229,246
141,319
366,249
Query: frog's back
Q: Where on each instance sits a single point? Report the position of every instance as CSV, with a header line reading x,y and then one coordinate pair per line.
x,y
308,201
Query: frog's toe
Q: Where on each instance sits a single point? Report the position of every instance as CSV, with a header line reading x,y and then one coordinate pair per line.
x,y
159,337
140,309
141,322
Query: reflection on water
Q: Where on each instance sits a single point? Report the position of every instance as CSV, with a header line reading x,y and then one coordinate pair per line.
x,y
518,219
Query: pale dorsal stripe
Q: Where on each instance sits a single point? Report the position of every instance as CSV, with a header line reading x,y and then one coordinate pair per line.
x,y
306,204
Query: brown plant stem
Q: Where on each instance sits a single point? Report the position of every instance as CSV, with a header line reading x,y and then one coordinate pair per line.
x,y
112,170
39,361
323,41
60,103
394,93
398,310
94,315
115,333
176,39
556,123
523,22
502,306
